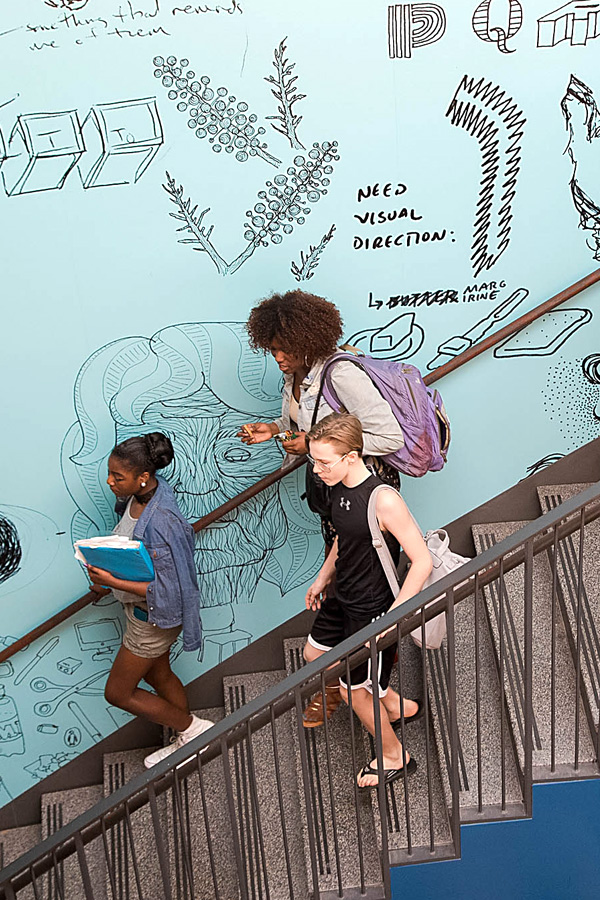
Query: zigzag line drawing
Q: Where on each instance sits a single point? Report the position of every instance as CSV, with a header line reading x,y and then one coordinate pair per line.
x,y
493,118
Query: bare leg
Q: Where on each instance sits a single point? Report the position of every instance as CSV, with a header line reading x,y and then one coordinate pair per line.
x,y
362,704
166,683
391,701
122,690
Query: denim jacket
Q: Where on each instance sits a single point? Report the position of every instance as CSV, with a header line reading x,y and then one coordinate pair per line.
x,y
173,597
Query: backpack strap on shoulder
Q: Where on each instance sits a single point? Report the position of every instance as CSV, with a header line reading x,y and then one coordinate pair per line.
x,y
385,557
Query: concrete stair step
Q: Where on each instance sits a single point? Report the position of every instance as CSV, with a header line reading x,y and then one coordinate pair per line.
x,y
142,867
58,809
342,774
511,599
488,781
256,797
568,557
14,842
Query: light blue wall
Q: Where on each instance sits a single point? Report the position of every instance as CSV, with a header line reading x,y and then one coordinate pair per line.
x,y
111,327
552,856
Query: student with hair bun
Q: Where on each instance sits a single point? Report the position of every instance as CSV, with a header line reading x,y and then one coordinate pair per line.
x,y
155,611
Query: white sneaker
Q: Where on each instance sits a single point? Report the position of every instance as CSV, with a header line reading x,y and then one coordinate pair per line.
x,y
198,726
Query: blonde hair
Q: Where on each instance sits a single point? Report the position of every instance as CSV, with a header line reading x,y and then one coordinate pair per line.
x,y
340,429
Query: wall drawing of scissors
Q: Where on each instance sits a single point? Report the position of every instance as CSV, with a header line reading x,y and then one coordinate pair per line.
x,y
86,686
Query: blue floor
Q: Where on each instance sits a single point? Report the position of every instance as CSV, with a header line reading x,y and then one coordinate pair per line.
x,y
554,856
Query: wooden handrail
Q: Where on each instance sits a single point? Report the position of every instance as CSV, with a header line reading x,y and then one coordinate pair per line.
x,y
213,516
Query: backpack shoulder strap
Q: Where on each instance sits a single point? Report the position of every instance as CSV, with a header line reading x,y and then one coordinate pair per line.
x,y
385,557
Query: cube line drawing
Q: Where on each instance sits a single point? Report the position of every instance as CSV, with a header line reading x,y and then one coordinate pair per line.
x,y
42,150
121,140
576,22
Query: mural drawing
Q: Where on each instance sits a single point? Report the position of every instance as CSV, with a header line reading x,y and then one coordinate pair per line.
x,y
582,119
310,260
285,91
413,25
575,22
487,28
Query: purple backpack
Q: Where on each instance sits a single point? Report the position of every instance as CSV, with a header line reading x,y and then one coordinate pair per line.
x,y
419,411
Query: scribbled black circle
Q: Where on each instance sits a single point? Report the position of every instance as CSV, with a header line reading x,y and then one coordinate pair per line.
x,y
591,368
10,549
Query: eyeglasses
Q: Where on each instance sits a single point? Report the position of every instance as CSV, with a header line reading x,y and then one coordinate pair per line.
x,y
327,467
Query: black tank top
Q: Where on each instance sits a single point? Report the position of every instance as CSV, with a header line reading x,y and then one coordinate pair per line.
x,y
361,584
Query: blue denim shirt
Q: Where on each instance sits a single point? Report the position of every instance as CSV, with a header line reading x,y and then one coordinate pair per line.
x,y
173,597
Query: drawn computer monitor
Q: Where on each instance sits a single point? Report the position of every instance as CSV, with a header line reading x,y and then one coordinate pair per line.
x,y
101,636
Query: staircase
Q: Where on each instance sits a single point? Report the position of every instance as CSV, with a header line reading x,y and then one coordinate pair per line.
x,y
276,815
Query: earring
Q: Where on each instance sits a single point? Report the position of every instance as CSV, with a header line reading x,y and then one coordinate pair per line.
x,y
306,360
143,484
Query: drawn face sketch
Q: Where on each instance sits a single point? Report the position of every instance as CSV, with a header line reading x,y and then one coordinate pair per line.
x,y
176,382
572,399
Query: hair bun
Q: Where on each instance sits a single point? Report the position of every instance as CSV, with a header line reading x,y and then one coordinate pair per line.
x,y
160,449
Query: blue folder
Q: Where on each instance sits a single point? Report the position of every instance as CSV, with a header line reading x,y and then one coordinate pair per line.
x,y
128,563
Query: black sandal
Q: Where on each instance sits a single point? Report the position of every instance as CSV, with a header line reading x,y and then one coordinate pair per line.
x,y
389,775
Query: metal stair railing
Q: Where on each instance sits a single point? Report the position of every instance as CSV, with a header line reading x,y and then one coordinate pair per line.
x,y
515,553
218,513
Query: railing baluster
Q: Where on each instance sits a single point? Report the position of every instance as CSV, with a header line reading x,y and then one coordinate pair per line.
x,y
578,661
409,848
528,712
306,787
381,787
453,730
257,818
502,685
163,856
233,816
477,626
427,740
209,843
134,861
286,849
184,833
58,872
83,867
553,651
336,847
107,856
359,839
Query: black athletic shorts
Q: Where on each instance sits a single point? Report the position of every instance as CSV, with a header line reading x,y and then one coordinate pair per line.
x,y
332,625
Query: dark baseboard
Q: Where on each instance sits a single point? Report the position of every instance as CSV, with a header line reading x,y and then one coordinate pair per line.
x,y
266,654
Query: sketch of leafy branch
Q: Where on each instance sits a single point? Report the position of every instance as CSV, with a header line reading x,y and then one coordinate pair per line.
x,y
285,92
212,114
310,260
285,202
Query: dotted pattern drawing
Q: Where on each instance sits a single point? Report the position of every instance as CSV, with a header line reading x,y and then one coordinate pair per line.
x,y
572,399
493,118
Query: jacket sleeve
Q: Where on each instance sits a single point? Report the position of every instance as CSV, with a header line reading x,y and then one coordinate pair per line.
x,y
381,432
175,576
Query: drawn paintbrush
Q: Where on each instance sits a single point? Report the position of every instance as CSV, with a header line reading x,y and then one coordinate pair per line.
x,y
47,648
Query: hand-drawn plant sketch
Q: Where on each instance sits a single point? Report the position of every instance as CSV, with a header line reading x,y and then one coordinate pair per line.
x,y
493,118
176,382
575,22
285,202
211,113
400,338
115,145
285,92
488,29
582,119
309,261
412,25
